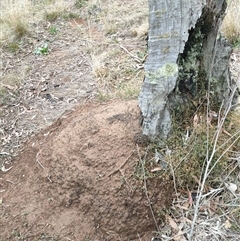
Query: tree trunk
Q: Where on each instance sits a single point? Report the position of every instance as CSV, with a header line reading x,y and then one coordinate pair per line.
x,y
187,61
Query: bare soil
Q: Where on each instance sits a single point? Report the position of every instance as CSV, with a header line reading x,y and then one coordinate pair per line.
x,y
77,180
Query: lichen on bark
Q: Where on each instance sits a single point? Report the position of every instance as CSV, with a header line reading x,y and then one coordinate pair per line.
x,y
192,52
167,70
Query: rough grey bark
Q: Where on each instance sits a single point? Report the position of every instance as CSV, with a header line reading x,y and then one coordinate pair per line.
x,y
183,55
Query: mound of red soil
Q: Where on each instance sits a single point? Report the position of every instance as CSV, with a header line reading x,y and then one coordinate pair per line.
x,y
77,180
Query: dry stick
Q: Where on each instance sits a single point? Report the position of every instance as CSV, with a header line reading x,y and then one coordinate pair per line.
x,y
132,55
174,180
209,159
229,139
225,151
145,185
39,161
229,173
118,169
125,179
48,177
139,237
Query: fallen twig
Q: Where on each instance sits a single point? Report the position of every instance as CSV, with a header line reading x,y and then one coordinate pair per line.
x,y
210,155
139,237
125,179
118,169
139,60
40,164
4,169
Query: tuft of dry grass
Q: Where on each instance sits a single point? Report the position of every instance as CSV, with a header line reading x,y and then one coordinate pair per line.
x,y
53,10
19,17
14,19
230,27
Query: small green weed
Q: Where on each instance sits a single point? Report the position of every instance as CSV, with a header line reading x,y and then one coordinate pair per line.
x,y
111,29
25,213
42,50
16,233
142,54
8,96
126,91
46,236
234,224
53,30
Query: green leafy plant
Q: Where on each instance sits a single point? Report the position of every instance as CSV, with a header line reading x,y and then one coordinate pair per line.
x,y
42,50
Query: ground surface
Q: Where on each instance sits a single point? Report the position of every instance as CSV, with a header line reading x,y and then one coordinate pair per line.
x,y
84,61
77,175
76,180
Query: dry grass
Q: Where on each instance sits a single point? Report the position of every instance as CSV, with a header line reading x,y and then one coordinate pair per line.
x,y
204,166
116,64
19,17
118,72
14,19
190,150
231,27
